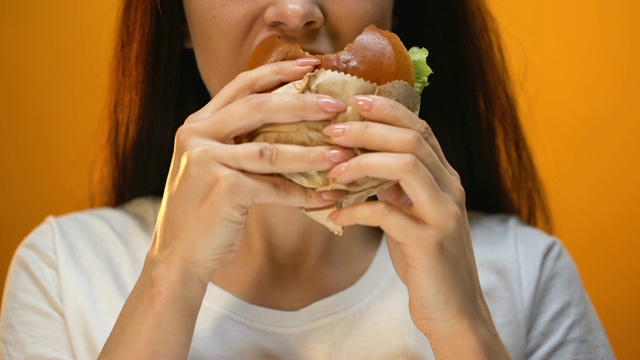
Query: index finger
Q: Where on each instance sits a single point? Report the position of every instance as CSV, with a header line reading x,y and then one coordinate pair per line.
x,y
259,80
255,110
387,111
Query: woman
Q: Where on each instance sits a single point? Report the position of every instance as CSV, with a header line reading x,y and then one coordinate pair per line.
x,y
207,255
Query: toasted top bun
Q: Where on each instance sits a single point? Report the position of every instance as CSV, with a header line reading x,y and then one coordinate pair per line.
x,y
376,55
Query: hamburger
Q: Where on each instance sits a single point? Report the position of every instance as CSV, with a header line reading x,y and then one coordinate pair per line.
x,y
375,63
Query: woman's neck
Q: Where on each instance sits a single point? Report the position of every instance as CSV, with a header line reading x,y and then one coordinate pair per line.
x,y
288,261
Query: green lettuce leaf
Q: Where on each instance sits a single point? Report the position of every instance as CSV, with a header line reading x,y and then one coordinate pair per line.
x,y
419,58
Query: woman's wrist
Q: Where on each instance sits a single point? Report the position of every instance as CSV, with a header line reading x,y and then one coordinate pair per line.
x,y
475,338
165,268
160,313
170,273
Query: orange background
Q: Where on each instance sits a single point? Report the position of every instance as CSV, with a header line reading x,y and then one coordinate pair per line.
x,y
576,73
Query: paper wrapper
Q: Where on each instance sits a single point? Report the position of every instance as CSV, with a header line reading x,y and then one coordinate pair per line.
x,y
341,87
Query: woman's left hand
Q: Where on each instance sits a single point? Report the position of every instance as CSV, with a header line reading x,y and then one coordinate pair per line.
x,y
424,218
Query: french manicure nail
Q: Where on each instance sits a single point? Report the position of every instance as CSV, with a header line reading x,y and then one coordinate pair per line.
x,y
333,216
331,105
336,130
362,102
307,62
338,155
337,170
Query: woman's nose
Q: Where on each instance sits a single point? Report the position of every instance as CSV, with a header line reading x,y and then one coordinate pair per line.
x,y
294,15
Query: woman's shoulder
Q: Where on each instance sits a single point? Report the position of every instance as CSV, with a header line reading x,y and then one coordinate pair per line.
x,y
511,253
138,214
534,291
103,231
106,245
500,234
82,265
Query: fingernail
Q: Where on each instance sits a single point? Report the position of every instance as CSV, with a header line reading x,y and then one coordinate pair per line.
x,y
333,216
331,105
337,156
337,170
336,130
307,62
364,103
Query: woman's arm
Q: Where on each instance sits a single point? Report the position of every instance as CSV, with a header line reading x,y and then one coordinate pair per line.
x,y
425,220
32,323
158,318
562,322
203,215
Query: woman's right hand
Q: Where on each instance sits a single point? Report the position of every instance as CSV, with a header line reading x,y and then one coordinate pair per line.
x,y
211,185
212,181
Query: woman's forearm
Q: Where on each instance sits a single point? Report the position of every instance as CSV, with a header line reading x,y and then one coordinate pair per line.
x,y
477,339
158,319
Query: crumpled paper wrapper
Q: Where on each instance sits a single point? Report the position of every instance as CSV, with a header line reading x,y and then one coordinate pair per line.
x,y
342,87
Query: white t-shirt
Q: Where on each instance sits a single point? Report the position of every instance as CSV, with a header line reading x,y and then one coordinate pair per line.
x,y
71,276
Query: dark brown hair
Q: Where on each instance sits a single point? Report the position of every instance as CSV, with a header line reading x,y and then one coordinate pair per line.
x,y
468,104
154,87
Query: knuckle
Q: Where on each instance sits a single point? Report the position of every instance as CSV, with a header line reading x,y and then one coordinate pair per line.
x,y
301,101
315,155
424,130
227,182
365,127
415,140
454,211
243,77
458,194
409,163
456,175
194,117
267,153
383,209
194,162
197,156
184,134
452,217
